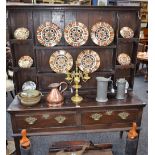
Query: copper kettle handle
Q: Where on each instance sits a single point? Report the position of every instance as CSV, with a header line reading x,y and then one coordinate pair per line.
x,y
65,86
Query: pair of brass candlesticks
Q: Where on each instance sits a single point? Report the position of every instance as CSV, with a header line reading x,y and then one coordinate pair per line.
x,y
76,76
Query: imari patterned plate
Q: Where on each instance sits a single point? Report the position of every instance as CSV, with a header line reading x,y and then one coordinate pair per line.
x,y
21,33
123,59
61,61
126,32
76,34
49,34
25,61
102,34
88,60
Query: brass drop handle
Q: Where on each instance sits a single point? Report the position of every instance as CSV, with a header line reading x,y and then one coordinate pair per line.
x,y
109,112
123,115
46,116
96,116
31,120
60,119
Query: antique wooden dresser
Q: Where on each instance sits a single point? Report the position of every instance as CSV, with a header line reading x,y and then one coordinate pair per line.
x,y
91,116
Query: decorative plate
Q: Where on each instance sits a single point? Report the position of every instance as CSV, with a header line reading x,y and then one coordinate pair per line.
x,y
76,34
123,59
88,60
126,32
29,85
102,34
25,62
21,33
61,61
49,34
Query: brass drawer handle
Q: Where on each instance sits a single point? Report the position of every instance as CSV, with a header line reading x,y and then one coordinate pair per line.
x,y
123,115
109,112
31,120
96,116
45,116
60,119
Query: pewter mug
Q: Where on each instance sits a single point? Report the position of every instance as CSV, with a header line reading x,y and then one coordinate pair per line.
x,y
120,83
102,87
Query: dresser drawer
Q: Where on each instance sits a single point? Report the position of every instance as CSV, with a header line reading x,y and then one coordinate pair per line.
x,y
109,116
45,120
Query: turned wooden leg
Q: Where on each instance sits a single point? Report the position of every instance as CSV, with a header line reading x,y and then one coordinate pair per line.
x,y
17,145
131,146
121,134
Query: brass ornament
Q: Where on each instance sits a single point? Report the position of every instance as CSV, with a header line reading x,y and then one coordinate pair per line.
x,y
123,115
60,119
31,120
46,116
109,112
96,116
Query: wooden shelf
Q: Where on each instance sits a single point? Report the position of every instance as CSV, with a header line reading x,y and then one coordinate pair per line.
x,y
128,40
71,47
12,41
112,71
19,69
125,66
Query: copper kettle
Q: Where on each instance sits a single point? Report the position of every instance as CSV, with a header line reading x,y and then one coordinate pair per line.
x,y
55,97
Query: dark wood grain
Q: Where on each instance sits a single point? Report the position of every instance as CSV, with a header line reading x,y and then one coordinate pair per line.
x,y
78,119
33,16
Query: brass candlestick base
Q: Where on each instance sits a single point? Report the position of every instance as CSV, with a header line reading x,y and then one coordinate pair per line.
x,y
77,99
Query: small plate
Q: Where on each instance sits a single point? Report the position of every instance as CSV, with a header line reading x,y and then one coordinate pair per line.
x,y
88,60
76,34
49,34
123,59
126,32
61,61
102,34
21,33
28,85
25,62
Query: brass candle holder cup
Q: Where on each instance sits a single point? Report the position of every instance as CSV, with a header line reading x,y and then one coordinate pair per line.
x,y
76,76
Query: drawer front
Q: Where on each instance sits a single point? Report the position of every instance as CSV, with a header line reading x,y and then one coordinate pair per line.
x,y
45,120
109,116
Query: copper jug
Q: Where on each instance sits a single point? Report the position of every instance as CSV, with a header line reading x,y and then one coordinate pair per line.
x,y
55,97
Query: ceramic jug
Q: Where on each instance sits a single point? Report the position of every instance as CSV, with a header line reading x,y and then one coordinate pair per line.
x,y
55,97
102,87
121,84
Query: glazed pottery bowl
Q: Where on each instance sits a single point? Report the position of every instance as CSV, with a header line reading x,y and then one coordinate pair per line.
x,y
30,97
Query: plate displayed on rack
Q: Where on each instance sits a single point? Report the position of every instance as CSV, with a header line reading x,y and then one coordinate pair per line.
x,y
49,34
102,34
25,61
126,32
88,60
76,34
123,59
21,33
61,61
29,85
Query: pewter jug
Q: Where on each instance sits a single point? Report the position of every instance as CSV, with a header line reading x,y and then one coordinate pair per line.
x,y
55,97
102,87
120,83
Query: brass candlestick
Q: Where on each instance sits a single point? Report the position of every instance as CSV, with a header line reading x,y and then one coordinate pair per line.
x,y
76,76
